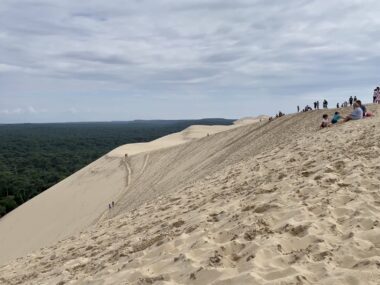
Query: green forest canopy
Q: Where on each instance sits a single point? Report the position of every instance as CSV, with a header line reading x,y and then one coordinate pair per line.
x,y
34,157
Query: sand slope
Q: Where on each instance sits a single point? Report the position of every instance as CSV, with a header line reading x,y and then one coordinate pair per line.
x,y
63,210
83,198
274,203
189,134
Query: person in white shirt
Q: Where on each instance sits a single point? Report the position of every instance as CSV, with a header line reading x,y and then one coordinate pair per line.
x,y
325,121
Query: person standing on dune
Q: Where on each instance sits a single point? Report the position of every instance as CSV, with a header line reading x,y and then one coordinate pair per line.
x,y
376,95
351,100
375,91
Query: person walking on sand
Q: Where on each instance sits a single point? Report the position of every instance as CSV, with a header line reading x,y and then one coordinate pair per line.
x,y
337,105
317,105
298,108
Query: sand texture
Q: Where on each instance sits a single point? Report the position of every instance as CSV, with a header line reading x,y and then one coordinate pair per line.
x,y
82,199
268,203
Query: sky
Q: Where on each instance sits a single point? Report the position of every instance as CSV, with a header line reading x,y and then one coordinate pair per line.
x,y
96,60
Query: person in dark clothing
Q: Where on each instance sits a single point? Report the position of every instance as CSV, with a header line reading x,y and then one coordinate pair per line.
x,y
337,105
376,92
298,108
351,100
325,103
355,99
318,105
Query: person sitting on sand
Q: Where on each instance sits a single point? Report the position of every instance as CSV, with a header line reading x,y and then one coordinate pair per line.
x,y
364,108
336,118
357,114
325,121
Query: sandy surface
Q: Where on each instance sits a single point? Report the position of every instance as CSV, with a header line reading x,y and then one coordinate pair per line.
x,y
82,199
189,134
284,204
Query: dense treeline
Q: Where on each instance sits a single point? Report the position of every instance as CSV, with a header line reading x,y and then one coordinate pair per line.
x,y
34,157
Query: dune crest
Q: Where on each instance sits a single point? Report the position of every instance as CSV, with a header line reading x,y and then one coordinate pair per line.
x,y
271,203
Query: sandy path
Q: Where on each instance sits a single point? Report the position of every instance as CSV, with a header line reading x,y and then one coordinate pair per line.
x,y
129,172
145,163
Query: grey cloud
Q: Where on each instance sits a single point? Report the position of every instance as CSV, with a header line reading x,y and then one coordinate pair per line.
x,y
100,58
222,57
176,48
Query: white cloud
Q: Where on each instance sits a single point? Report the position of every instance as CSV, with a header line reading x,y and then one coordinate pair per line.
x,y
73,110
31,110
27,110
11,111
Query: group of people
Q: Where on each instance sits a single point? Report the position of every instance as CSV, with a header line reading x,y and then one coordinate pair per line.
x,y
111,205
350,102
359,112
278,115
316,106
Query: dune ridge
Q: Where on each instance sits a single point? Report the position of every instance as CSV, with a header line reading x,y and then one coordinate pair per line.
x,y
82,199
270,203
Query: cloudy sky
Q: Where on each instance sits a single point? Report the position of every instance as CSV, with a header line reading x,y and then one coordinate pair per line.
x,y
70,60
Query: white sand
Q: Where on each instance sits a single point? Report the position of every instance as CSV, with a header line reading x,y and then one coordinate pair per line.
x,y
277,203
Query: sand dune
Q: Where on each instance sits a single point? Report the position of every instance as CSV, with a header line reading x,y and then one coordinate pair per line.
x,y
189,134
270,203
81,199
